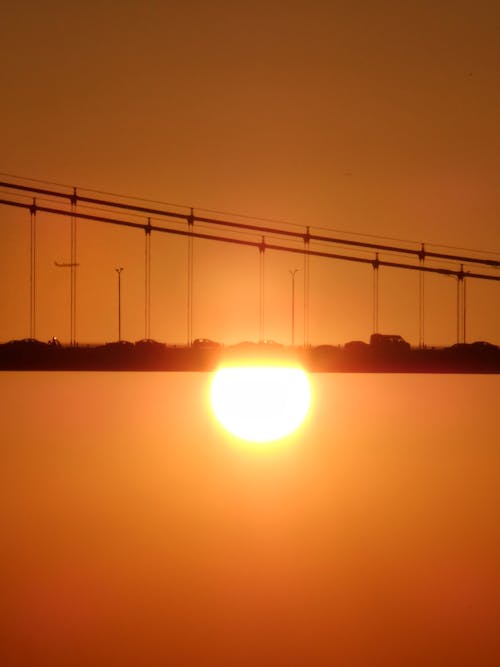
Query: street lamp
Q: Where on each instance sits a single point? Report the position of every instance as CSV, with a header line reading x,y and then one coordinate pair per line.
x,y
292,272
119,272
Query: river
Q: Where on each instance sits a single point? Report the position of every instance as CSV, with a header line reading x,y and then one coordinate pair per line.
x,y
135,531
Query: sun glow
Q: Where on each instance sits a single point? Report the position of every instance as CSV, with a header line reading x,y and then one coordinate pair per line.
x,y
260,403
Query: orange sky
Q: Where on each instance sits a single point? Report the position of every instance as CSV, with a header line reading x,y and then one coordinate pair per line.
x,y
375,118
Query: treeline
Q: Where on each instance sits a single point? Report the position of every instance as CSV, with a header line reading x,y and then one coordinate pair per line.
x,y
386,354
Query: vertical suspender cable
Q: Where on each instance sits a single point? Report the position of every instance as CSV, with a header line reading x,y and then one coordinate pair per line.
x,y
421,277
72,274
34,275
464,308
73,265
375,264
33,270
461,305
190,280
147,282
262,249
306,287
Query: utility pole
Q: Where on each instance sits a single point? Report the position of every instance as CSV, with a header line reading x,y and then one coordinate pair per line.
x,y
119,272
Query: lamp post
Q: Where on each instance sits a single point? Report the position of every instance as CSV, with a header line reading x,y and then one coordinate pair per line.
x,y
292,272
119,272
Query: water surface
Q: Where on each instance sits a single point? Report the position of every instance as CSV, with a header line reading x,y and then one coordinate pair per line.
x,y
135,531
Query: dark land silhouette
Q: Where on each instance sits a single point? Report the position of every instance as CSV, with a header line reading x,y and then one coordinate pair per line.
x,y
384,354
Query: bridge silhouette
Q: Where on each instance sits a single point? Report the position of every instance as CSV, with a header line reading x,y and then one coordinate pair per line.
x,y
78,204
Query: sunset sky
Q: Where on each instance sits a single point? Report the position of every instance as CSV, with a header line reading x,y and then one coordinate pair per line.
x,y
376,118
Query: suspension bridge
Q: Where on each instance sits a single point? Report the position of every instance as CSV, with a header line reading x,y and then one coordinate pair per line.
x,y
76,205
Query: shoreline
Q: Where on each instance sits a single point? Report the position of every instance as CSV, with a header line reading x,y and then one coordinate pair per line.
x,y
31,355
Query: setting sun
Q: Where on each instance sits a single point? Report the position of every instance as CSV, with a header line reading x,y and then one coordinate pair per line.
x,y
260,403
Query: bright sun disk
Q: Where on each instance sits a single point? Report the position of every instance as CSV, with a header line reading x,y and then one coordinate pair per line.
x,y
260,403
